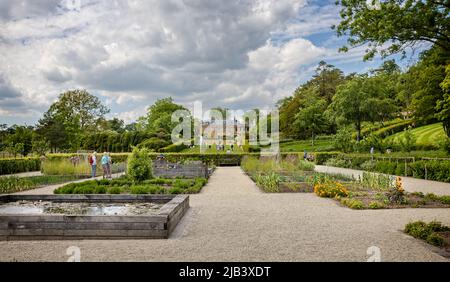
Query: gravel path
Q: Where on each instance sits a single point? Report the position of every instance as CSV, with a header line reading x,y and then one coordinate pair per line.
x,y
410,184
231,220
24,174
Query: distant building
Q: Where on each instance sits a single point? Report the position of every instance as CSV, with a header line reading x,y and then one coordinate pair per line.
x,y
223,132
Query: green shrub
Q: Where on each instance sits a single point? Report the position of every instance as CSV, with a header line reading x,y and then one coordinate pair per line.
x,y
376,205
183,184
100,190
343,140
305,165
386,167
114,190
83,190
153,143
139,165
176,190
352,203
446,145
444,200
11,166
139,190
368,165
159,181
269,183
421,230
338,163
435,240
14,184
321,157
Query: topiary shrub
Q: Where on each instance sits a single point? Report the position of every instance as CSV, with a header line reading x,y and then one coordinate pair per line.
x,y
140,165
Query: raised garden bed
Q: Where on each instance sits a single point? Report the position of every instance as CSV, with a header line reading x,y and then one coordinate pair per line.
x,y
103,216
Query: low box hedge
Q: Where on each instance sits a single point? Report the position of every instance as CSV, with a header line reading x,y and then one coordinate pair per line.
x,y
11,166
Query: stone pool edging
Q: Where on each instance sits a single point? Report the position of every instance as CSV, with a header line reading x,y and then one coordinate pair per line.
x,y
80,227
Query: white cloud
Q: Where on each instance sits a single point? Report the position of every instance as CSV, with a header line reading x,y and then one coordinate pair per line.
x,y
132,52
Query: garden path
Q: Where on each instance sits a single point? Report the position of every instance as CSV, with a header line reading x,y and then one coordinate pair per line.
x,y
410,184
24,174
231,220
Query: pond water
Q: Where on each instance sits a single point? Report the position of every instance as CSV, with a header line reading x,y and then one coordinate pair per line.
x,y
89,209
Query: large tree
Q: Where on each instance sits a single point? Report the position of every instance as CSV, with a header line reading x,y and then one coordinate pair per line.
x,y
159,116
362,99
75,113
311,119
323,85
391,26
78,108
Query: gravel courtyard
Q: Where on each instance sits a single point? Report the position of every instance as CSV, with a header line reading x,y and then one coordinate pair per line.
x,y
231,220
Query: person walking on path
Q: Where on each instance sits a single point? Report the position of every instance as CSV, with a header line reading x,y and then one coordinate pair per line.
x,y
93,163
106,165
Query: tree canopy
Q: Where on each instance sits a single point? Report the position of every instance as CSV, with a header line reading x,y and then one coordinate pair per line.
x,y
391,26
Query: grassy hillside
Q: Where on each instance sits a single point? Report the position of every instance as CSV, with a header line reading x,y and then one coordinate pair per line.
x,y
429,135
301,145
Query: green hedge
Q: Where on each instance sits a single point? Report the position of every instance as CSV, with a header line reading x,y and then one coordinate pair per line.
x,y
10,166
392,129
116,157
438,170
174,148
321,157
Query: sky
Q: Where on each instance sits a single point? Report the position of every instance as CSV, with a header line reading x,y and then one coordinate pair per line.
x,y
238,54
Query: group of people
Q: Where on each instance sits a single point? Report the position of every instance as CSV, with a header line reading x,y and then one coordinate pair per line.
x,y
106,163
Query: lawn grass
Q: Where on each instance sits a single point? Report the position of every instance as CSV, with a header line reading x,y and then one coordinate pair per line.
x,y
320,145
429,135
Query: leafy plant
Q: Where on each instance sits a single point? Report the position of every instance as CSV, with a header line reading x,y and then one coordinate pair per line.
x,y
428,232
139,165
377,181
352,203
397,193
269,183
376,205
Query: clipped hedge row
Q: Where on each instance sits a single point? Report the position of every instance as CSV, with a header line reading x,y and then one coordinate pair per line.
x,y
322,157
392,129
11,166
